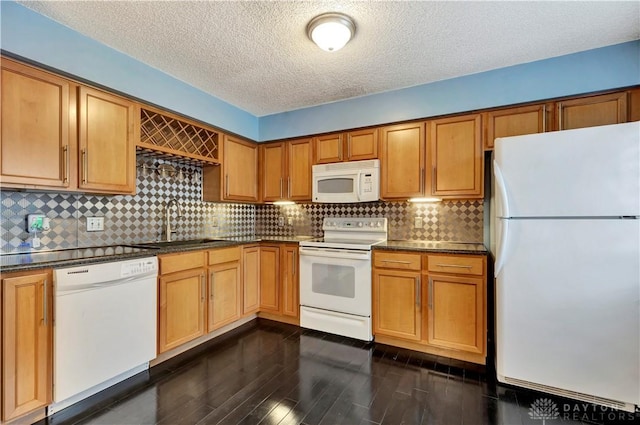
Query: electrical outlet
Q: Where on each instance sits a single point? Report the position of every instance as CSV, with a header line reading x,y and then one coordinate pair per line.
x,y
37,223
280,221
417,222
214,222
95,224
290,221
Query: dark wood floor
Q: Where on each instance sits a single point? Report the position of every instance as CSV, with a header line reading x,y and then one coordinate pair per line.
x,y
270,373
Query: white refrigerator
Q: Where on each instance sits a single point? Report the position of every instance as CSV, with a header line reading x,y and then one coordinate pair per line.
x,y
567,269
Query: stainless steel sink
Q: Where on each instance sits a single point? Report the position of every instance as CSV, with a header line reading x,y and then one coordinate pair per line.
x,y
165,244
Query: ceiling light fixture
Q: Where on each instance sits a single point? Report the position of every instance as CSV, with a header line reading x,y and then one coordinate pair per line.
x,y
331,31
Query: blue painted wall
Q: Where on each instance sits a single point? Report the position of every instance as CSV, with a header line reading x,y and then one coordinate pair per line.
x,y
599,69
38,38
35,37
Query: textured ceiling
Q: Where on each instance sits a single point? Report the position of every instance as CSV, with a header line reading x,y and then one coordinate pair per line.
x,y
256,55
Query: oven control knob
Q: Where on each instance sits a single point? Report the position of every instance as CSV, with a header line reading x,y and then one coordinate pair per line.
x,y
378,224
360,224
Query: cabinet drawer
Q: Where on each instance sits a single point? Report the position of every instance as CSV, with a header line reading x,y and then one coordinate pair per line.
x,y
396,260
224,255
456,264
183,261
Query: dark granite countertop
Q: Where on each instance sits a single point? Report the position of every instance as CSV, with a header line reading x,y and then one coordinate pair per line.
x,y
94,255
434,246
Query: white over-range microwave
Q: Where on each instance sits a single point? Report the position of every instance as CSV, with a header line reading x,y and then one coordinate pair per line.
x,y
345,182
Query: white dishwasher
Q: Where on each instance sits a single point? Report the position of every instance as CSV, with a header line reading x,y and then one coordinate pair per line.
x,y
104,327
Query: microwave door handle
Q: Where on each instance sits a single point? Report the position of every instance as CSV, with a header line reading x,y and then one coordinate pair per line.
x,y
358,185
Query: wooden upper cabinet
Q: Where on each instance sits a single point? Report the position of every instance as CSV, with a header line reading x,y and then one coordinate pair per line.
x,y
348,146
38,144
634,105
286,170
329,148
456,158
515,122
299,161
239,180
402,156
273,171
362,144
27,340
592,111
108,127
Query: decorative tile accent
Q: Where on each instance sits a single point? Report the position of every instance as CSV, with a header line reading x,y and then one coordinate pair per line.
x,y
127,218
140,217
444,221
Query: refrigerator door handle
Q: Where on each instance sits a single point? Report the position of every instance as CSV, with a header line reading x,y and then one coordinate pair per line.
x,y
503,201
502,190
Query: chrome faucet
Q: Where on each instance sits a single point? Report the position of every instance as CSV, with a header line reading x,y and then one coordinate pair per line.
x,y
167,217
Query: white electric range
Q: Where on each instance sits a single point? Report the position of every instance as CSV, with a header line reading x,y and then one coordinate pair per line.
x,y
335,276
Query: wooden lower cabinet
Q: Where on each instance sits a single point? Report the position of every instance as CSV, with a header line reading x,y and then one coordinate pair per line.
x,y
27,342
182,296
440,308
270,278
397,304
290,283
182,308
455,316
250,279
279,282
224,288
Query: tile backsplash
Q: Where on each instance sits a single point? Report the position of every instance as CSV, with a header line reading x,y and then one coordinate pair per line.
x,y
444,221
140,217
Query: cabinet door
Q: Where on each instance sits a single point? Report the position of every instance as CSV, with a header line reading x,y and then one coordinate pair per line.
x,y
515,122
182,308
270,279
402,159
37,144
634,105
455,149
592,111
362,144
290,285
299,161
456,313
26,343
240,162
251,279
273,167
397,304
225,295
329,148
108,130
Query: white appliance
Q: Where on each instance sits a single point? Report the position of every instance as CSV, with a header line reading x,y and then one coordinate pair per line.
x,y
568,263
105,326
335,277
346,182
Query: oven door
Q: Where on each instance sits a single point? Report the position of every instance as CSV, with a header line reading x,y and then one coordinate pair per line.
x,y
336,280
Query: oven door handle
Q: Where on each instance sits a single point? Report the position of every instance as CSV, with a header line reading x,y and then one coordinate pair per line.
x,y
335,253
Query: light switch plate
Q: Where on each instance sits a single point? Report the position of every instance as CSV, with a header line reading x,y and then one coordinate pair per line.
x,y
280,221
417,222
95,224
